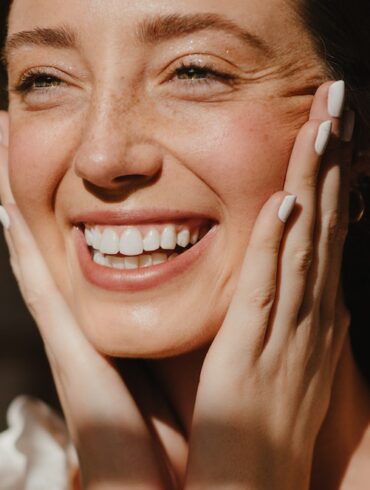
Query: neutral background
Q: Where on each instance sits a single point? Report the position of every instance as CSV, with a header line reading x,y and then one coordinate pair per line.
x,y
23,365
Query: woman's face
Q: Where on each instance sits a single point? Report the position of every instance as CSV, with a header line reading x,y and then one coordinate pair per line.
x,y
144,122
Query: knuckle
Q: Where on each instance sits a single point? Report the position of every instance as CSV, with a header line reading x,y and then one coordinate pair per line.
x,y
263,298
34,298
269,245
336,228
302,258
309,179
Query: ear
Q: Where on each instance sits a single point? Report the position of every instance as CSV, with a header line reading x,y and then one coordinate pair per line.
x,y
4,128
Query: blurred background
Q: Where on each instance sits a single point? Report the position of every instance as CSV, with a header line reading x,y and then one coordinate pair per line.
x,y
23,365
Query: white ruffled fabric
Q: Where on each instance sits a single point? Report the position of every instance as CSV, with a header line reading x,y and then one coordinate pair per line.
x,y
35,451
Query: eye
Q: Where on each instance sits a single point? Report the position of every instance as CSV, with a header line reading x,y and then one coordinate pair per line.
x,y
201,73
36,81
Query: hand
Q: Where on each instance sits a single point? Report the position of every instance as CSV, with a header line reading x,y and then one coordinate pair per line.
x,y
114,445
266,381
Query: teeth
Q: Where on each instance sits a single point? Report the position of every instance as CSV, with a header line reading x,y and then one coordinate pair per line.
x,y
159,258
136,262
152,240
131,262
131,242
89,236
168,238
96,238
116,262
145,260
183,238
99,258
109,243
194,237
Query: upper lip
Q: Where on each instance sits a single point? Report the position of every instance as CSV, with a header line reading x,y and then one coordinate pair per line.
x,y
136,216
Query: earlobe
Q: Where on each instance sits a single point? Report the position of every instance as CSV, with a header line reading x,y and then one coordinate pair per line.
x,y
4,128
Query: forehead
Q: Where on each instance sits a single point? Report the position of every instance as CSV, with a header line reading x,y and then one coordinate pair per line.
x,y
266,18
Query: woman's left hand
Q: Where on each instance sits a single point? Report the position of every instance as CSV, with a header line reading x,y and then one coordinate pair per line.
x,y
266,381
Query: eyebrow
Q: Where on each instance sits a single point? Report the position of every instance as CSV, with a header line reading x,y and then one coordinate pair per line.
x,y
57,37
166,27
152,30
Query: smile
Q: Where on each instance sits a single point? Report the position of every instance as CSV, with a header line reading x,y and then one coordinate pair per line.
x,y
138,250
133,247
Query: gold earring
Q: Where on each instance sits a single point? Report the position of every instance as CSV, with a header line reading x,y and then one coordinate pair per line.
x,y
357,206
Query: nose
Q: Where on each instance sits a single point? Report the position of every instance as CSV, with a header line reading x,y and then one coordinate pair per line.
x,y
113,152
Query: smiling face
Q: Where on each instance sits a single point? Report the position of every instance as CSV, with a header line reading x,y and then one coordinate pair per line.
x,y
139,123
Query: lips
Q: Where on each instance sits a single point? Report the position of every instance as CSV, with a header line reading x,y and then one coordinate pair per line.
x,y
137,250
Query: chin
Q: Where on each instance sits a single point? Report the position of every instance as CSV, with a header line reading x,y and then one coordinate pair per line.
x,y
141,332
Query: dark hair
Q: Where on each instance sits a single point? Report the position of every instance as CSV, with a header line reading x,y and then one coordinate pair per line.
x,y
340,30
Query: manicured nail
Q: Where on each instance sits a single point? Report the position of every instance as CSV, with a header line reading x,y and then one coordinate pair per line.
x,y
336,98
287,207
323,137
4,218
349,120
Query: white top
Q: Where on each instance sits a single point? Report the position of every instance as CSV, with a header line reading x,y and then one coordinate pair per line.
x,y
35,451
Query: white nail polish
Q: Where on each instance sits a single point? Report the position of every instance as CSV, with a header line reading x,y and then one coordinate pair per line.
x,y
349,120
4,218
336,98
286,208
323,137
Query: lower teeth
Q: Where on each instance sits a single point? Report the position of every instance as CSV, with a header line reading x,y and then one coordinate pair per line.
x,y
144,260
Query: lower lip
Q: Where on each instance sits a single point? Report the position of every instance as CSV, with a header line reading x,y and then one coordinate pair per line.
x,y
141,278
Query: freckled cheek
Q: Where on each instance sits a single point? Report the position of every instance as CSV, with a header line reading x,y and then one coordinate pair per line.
x,y
36,166
242,157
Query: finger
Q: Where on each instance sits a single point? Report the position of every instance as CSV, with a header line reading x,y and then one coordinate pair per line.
x,y
296,250
335,95
243,332
330,233
298,247
332,211
63,338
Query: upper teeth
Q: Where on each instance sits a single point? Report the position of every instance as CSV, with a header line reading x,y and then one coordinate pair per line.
x,y
130,241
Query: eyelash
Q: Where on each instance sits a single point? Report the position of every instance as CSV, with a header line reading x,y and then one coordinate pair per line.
x,y
28,81
206,75
203,70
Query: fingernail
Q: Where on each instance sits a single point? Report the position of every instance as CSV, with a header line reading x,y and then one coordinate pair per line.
x,y
349,120
287,207
1,136
336,98
323,137
4,218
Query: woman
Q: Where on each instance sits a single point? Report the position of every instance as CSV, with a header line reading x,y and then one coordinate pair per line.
x,y
181,173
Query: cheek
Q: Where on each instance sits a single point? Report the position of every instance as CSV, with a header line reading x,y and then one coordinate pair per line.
x,y
36,163
241,154
37,159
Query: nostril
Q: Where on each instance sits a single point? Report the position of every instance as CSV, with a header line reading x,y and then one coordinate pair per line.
x,y
129,178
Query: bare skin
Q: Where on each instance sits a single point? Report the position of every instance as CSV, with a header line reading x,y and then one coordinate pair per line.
x,y
276,88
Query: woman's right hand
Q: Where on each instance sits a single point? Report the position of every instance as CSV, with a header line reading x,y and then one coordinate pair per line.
x,y
114,445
